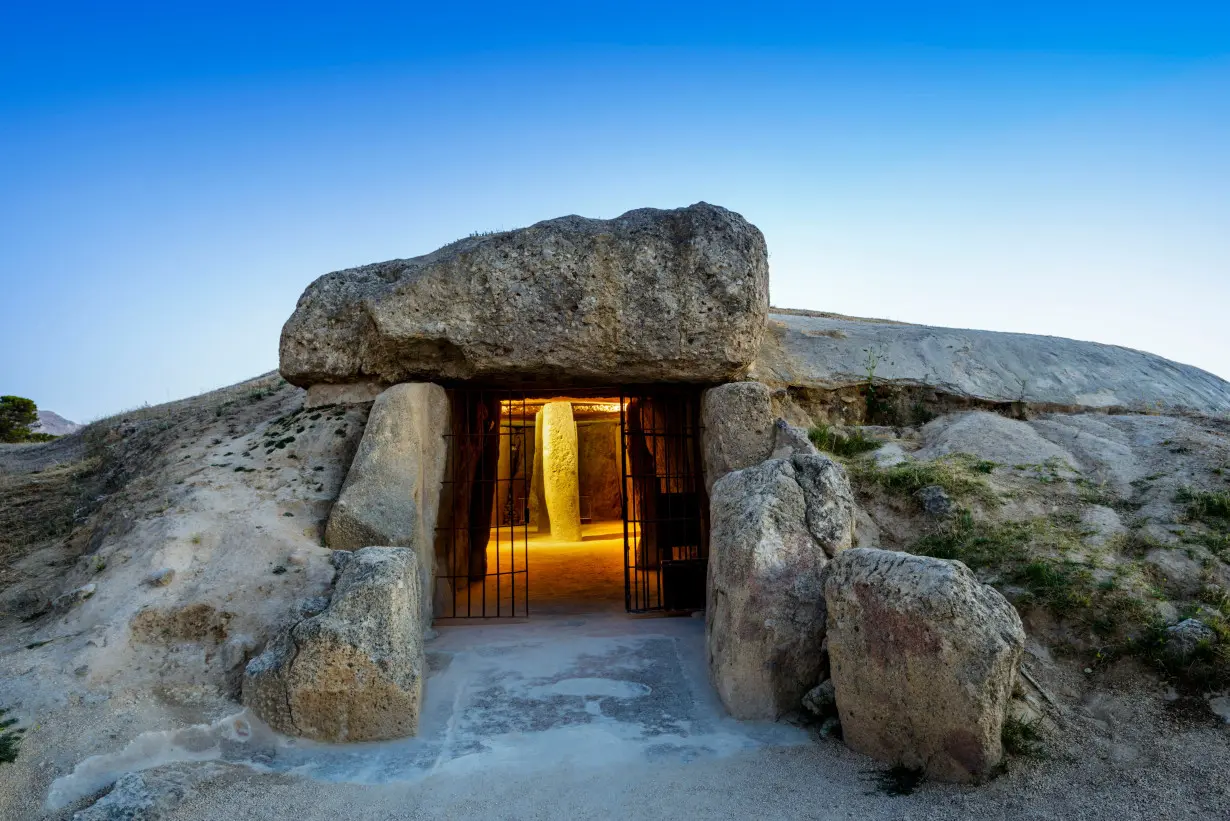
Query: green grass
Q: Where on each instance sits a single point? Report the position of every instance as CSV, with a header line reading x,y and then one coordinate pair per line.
x,y
844,445
1021,738
959,474
1203,505
1030,555
10,738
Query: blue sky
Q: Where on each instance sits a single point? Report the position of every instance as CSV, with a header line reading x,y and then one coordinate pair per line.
x,y
173,175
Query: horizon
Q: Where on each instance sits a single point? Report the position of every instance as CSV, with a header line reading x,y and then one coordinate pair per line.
x,y
171,181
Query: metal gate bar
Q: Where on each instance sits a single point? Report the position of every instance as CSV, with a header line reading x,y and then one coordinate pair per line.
x,y
666,540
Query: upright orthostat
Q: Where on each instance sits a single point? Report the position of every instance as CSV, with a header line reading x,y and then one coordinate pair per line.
x,y
650,296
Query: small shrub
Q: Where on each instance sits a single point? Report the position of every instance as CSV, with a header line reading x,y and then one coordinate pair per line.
x,y
1021,738
10,738
844,445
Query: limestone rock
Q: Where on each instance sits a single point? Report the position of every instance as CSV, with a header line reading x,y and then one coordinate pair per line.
x,y
806,349
789,440
935,501
139,796
355,672
650,296
774,527
821,700
392,493
923,660
738,421
1183,638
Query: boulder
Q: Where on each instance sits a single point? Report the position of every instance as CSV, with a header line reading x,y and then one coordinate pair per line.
x,y
140,796
391,495
738,422
774,527
354,672
1182,640
650,296
923,660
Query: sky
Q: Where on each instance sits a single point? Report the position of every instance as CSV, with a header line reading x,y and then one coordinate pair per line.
x,y
172,176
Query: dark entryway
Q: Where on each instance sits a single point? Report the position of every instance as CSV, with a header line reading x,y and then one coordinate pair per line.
x,y
634,534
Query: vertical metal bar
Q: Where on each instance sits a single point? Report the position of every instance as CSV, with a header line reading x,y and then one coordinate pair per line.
x,y
623,494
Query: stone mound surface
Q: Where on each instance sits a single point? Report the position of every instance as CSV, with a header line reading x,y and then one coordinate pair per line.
x,y
650,296
809,349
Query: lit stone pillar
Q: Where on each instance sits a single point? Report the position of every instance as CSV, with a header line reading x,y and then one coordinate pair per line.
x,y
538,497
559,451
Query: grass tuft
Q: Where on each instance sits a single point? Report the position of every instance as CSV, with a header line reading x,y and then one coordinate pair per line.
x,y
10,738
1022,738
846,445
960,474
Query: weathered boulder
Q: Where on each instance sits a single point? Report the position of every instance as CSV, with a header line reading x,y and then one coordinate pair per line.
x,y
354,672
650,296
774,527
1182,640
923,659
738,421
392,493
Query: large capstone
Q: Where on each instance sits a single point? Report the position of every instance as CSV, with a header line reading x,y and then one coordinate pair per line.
x,y
354,672
392,493
775,527
923,659
650,296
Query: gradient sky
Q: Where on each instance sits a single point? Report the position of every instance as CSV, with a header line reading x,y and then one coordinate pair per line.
x,y
172,175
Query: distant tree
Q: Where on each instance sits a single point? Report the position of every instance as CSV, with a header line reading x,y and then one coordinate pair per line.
x,y
17,414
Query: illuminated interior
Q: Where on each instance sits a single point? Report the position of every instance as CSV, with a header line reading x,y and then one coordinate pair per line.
x,y
557,511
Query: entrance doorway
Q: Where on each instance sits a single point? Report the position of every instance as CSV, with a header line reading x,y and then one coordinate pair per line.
x,y
569,501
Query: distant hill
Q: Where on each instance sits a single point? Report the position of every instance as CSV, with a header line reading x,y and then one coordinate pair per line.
x,y
54,424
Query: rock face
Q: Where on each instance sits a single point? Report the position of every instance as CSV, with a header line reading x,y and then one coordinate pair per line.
x,y
807,349
738,421
774,527
392,493
650,296
355,672
923,660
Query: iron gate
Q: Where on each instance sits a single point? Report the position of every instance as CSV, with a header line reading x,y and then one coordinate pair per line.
x,y
479,506
666,510
483,526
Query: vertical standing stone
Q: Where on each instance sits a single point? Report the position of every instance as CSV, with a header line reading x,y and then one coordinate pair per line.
x,y
538,497
560,483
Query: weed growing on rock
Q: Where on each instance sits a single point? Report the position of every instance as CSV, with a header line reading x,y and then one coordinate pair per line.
x,y
10,738
841,444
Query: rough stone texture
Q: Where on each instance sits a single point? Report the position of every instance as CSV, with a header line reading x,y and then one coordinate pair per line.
x,y
560,476
598,462
923,658
356,393
821,700
650,296
1183,638
737,419
809,349
392,493
935,501
139,796
774,527
355,672
990,436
